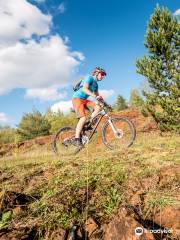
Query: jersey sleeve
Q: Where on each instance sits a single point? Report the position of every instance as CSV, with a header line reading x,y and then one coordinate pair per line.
x,y
88,80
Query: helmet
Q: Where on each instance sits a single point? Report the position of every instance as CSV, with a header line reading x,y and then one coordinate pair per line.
x,y
99,70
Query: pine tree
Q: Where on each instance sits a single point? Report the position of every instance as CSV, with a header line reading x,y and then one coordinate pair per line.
x,y
161,68
120,103
33,125
135,99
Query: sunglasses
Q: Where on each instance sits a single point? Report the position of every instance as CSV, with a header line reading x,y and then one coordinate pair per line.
x,y
102,74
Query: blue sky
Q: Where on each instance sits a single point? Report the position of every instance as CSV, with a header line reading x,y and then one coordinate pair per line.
x,y
55,42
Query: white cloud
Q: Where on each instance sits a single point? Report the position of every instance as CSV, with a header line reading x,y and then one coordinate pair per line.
x,y
30,64
45,94
78,55
15,26
106,93
3,118
61,8
177,12
48,63
63,106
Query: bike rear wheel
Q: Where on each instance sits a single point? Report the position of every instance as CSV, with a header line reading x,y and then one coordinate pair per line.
x,y
124,136
62,143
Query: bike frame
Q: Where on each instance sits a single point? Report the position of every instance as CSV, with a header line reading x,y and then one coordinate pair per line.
x,y
101,114
104,111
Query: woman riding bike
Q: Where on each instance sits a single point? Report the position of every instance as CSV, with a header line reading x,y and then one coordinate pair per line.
x,y
117,132
88,87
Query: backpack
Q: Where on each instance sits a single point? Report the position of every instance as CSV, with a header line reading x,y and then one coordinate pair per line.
x,y
77,86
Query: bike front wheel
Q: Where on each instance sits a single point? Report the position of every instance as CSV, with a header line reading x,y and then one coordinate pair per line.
x,y
63,140
118,133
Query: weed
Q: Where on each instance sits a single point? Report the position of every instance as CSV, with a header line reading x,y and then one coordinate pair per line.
x,y
146,172
6,217
112,200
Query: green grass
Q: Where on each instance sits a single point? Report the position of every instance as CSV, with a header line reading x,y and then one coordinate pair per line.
x,y
92,183
156,201
112,200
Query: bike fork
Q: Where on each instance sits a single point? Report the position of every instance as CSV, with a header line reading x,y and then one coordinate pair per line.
x,y
112,126
117,132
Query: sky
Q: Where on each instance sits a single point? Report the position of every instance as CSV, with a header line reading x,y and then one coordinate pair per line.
x,y
47,45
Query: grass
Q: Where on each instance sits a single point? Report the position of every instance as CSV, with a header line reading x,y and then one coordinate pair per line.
x,y
156,201
112,200
92,183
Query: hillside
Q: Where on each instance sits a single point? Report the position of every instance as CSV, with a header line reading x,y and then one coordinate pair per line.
x,y
142,125
97,194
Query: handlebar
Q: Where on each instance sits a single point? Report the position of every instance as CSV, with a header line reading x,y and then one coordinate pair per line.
x,y
103,104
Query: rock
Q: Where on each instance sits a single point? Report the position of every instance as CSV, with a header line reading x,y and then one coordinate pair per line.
x,y
122,227
19,233
168,175
56,235
98,234
18,210
90,226
169,217
12,199
137,198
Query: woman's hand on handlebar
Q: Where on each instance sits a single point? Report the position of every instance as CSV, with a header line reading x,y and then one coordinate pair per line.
x,y
100,98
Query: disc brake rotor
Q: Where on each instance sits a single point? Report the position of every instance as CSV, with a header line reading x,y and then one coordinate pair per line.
x,y
119,133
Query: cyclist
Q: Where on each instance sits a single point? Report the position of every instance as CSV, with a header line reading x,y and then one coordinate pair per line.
x,y
88,87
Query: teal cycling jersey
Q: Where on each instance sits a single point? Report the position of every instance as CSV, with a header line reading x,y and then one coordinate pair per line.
x,y
92,86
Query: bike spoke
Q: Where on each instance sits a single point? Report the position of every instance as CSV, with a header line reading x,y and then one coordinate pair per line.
x,y
63,142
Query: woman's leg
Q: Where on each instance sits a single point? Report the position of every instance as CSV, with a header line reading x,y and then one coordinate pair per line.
x,y
79,126
96,111
95,106
79,106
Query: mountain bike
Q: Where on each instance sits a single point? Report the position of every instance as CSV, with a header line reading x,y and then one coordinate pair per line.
x,y
116,132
